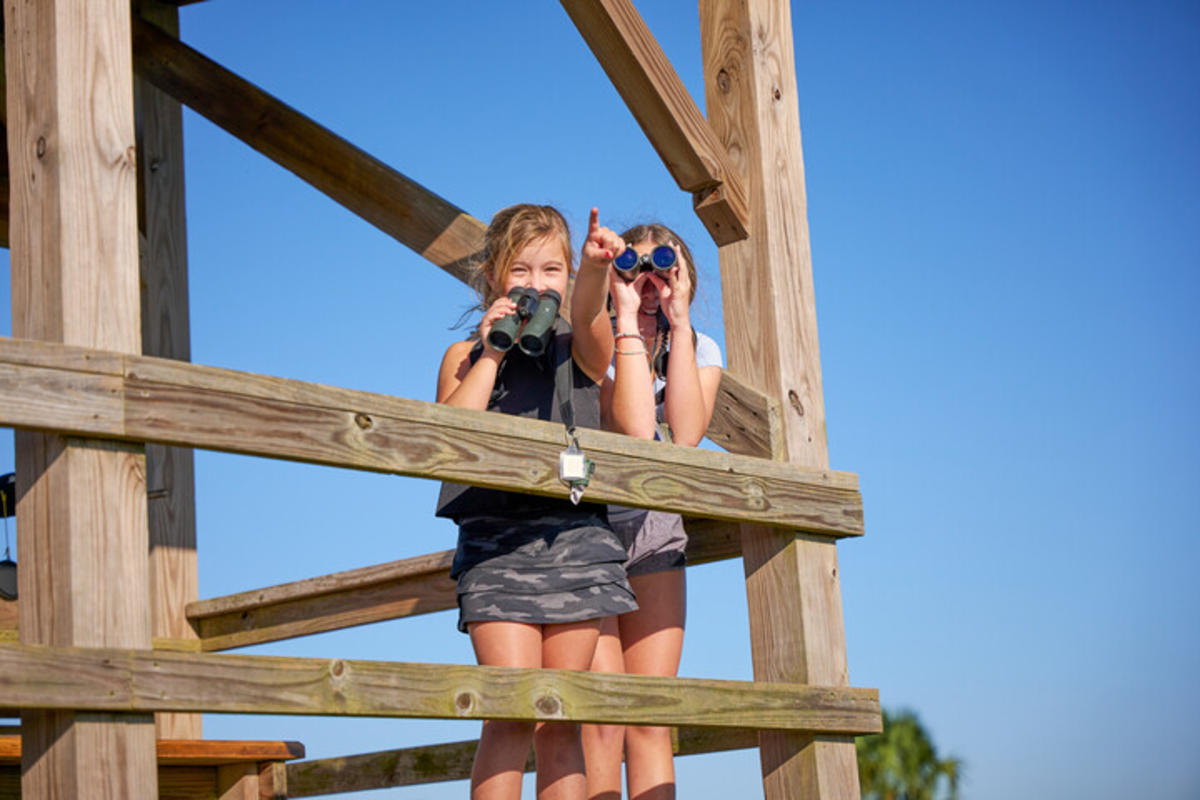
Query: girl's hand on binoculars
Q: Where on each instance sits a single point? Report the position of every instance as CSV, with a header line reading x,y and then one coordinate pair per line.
x,y
675,293
601,245
502,307
627,296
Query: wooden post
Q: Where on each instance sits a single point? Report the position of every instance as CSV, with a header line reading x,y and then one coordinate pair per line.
x,y
81,503
771,334
170,482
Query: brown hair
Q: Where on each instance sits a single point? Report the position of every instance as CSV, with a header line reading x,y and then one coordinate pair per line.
x,y
661,234
510,231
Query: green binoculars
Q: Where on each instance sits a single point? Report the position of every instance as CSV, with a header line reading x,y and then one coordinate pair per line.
x,y
629,264
531,326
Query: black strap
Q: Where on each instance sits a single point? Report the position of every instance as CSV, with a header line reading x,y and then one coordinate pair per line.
x,y
563,384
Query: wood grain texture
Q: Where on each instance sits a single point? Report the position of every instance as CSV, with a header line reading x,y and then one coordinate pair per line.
x,y
170,402
81,504
793,592
412,766
193,752
170,482
401,208
105,680
650,87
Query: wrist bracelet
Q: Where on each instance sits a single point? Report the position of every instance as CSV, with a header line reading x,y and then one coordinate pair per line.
x,y
637,336
641,352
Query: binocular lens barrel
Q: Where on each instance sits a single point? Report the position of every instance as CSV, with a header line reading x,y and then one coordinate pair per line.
x,y
536,335
629,264
533,320
504,330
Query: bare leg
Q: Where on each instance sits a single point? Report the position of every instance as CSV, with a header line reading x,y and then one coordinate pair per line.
x,y
560,774
652,638
503,745
603,744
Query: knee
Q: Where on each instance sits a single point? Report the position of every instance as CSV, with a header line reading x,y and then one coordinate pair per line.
x,y
605,737
551,737
514,732
643,737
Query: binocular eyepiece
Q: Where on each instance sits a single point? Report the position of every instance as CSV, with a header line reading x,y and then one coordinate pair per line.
x,y
629,264
530,326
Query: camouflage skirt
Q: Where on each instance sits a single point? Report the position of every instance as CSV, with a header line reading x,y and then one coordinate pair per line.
x,y
545,570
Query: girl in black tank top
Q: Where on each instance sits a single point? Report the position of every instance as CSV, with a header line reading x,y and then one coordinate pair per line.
x,y
535,575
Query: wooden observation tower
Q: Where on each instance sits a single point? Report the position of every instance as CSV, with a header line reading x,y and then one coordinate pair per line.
x,y
111,648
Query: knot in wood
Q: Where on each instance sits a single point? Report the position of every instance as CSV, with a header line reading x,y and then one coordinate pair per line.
x,y
464,702
777,94
548,705
41,146
337,668
723,81
363,421
794,399
155,163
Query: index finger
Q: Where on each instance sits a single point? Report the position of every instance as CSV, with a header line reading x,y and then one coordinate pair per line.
x,y
593,221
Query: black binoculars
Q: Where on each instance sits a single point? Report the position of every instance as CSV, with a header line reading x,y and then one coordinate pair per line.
x,y
629,264
531,326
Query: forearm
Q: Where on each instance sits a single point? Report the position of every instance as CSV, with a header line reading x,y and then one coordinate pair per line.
x,y
475,389
632,410
684,406
590,328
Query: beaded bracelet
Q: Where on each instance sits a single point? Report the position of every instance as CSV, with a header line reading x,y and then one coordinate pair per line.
x,y
637,336
641,352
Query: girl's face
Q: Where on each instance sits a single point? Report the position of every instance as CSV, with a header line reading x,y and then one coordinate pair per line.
x,y
540,265
650,299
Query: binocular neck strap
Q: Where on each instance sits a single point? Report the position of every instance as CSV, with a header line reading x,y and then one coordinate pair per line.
x,y
562,387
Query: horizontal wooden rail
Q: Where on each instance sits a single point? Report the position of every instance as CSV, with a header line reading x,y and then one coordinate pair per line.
x,y
143,681
51,386
416,217
398,206
643,76
412,766
192,752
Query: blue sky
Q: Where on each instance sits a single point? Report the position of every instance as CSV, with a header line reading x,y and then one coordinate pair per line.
x,y
1004,210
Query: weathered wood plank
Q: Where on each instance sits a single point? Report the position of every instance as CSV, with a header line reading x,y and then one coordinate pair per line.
x,y
171,402
398,206
792,586
645,79
745,420
81,504
412,766
193,752
170,483
108,680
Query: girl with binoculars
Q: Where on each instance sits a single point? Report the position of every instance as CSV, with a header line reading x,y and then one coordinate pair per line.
x,y
535,575
663,372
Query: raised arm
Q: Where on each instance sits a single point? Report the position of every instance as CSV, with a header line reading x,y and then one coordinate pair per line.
x,y
691,391
466,385
629,396
591,332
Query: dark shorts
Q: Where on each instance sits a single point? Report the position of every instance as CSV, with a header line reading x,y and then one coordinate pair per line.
x,y
654,540
546,570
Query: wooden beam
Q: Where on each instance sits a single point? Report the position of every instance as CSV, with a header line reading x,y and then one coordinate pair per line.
x,y
413,766
110,680
81,505
745,420
415,216
643,76
792,585
170,483
405,210
157,400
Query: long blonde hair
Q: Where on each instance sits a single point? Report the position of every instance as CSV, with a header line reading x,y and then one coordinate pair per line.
x,y
510,231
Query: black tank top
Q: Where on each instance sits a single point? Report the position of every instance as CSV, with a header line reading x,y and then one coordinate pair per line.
x,y
525,388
